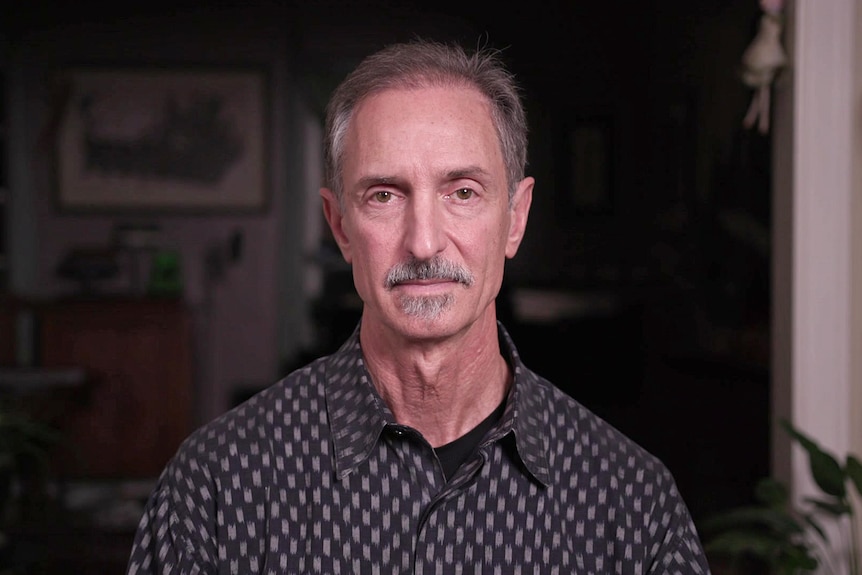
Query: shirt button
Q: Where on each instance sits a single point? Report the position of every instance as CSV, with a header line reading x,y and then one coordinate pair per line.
x,y
398,432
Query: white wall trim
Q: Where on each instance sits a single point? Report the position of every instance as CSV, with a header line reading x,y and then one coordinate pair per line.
x,y
822,197
823,384
856,246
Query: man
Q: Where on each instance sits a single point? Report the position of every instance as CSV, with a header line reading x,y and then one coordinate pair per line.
x,y
423,445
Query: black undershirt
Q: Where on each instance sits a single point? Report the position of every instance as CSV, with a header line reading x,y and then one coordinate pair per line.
x,y
454,453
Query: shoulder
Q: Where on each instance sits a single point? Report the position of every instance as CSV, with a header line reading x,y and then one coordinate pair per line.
x,y
614,478
578,438
273,414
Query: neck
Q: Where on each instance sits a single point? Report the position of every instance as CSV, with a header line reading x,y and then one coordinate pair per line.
x,y
443,389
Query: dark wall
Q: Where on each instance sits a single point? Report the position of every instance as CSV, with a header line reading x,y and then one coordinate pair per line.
x,y
683,346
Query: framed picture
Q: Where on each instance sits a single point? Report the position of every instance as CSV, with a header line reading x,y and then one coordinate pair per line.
x,y
162,139
587,165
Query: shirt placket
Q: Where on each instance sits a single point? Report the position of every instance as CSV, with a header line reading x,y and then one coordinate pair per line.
x,y
435,553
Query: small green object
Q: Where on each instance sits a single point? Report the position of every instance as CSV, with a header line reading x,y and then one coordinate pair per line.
x,y
166,278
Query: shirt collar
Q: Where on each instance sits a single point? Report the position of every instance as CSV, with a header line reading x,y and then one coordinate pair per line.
x,y
526,414
358,414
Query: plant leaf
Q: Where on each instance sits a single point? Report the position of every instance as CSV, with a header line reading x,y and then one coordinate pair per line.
x,y
760,519
828,474
805,441
833,508
853,469
825,469
772,493
796,557
780,553
815,526
745,542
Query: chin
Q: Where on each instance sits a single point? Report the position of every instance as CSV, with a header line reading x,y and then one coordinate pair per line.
x,y
428,308
416,330
446,324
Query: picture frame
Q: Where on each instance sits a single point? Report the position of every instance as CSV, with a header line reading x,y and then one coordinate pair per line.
x,y
586,165
165,139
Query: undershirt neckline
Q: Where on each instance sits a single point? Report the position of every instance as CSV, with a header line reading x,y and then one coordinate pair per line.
x,y
453,454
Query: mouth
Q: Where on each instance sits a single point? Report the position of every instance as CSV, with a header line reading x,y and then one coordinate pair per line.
x,y
426,281
425,286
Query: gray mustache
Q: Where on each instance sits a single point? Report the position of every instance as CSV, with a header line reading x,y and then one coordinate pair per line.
x,y
435,268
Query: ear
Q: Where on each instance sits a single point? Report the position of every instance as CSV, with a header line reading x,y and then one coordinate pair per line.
x,y
335,219
518,214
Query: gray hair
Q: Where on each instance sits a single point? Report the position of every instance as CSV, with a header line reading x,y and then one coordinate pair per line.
x,y
424,63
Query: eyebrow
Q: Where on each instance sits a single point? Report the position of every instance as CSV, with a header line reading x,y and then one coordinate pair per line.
x,y
475,172
368,181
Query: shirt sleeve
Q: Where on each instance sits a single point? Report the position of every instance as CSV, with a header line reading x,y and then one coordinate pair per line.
x,y
175,533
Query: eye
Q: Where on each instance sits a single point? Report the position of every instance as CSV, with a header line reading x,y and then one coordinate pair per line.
x,y
463,194
382,196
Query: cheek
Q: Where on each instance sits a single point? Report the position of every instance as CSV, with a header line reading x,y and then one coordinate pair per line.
x,y
491,240
370,261
484,255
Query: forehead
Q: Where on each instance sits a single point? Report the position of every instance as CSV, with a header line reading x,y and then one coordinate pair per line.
x,y
436,120
430,96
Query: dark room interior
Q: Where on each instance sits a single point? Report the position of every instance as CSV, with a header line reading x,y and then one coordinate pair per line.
x,y
642,287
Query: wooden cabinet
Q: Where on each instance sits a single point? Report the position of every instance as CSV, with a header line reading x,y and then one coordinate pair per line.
x,y
136,405
8,328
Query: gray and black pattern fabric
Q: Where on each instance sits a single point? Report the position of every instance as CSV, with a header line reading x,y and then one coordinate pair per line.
x,y
313,475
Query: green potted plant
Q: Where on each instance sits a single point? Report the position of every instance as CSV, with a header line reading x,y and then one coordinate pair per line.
x,y
24,449
774,536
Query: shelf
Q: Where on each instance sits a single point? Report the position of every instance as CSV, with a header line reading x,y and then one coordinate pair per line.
x,y
24,380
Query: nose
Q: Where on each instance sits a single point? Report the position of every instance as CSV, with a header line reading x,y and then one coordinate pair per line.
x,y
424,227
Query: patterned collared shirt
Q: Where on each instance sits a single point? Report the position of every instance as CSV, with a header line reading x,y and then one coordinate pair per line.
x,y
313,475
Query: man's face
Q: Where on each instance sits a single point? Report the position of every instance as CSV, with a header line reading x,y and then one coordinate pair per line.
x,y
425,219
